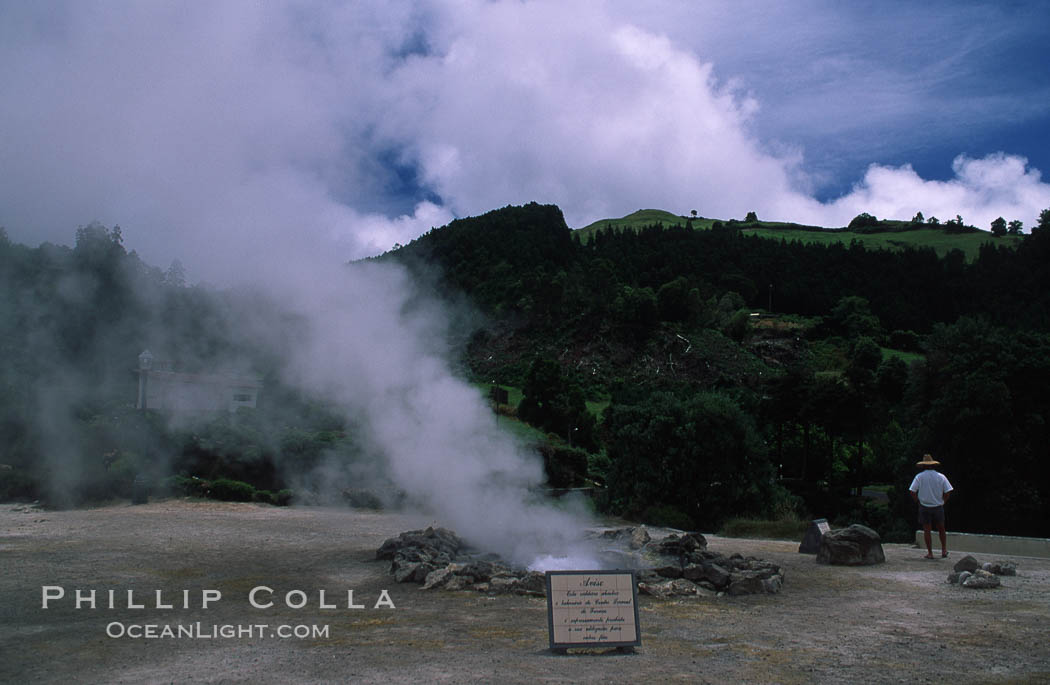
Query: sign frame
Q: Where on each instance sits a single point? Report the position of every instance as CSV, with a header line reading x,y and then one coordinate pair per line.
x,y
617,576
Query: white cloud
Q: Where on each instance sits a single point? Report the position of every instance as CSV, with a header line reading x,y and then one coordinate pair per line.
x,y
982,190
230,133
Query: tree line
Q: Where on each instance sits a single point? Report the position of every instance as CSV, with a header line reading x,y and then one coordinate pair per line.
x,y
861,361
871,358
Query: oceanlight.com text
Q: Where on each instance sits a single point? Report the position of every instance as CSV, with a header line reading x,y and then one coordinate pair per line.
x,y
227,631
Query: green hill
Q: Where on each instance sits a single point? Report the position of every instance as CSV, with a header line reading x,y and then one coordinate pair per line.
x,y
640,219
891,235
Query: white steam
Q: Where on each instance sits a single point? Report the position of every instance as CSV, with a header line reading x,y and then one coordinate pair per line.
x,y
373,345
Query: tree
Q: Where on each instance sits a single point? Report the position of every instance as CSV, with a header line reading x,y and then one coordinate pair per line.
x,y
918,218
863,220
554,403
175,275
702,456
1044,221
750,218
852,316
999,227
1014,227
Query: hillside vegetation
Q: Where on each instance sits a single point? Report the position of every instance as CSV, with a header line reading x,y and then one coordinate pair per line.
x,y
812,368
685,376
894,235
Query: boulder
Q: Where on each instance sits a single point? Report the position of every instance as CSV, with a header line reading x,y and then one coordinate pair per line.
x,y
811,540
459,583
533,583
981,579
431,543
685,547
411,571
745,583
712,573
1000,568
438,578
967,563
669,588
856,545
639,538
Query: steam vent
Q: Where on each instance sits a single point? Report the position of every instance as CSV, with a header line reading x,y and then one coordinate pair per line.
x,y
678,564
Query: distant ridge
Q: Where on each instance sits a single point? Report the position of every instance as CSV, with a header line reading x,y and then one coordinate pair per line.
x,y
886,234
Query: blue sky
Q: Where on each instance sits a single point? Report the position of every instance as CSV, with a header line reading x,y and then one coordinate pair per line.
x,y
233,133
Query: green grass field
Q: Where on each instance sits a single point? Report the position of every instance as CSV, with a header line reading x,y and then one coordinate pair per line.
x,y
941,242
935,237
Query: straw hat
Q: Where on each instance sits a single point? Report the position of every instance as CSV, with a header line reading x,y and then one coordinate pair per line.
x,y
927,461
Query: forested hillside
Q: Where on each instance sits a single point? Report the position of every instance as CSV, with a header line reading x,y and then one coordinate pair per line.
x,y
73,322
736,368
686,376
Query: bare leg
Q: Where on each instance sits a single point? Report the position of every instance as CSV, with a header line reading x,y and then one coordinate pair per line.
x,y
928,538
944,540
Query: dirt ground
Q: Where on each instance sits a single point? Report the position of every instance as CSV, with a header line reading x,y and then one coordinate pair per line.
x,y
895,622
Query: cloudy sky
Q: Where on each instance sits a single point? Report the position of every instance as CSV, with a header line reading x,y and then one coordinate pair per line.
x,y
226,133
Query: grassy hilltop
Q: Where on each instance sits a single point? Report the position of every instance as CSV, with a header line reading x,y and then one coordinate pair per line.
x,y
887,234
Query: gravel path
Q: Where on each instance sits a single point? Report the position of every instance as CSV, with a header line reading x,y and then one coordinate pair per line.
x,y
895,622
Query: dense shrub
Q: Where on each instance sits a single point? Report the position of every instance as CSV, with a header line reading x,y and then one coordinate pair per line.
x,y
17,485
231,490
701,455
185,486
566,467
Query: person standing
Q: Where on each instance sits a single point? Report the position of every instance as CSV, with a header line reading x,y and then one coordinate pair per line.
x,y
929,489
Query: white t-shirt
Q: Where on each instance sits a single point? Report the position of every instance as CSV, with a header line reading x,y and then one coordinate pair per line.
x,y
931,486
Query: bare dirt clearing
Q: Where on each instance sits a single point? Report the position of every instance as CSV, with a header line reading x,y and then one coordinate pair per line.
x,y
895,622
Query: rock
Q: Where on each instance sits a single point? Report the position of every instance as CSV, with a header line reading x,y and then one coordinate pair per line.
x,y
459,583
669,571
693,572
503,584
411,571
745,583
963,576
432,543
856,545
681,547
716,575
1000,568
811,540
438,577
480,571
981,579
967,563
768,578
533,583
639,538
953,577
669,588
